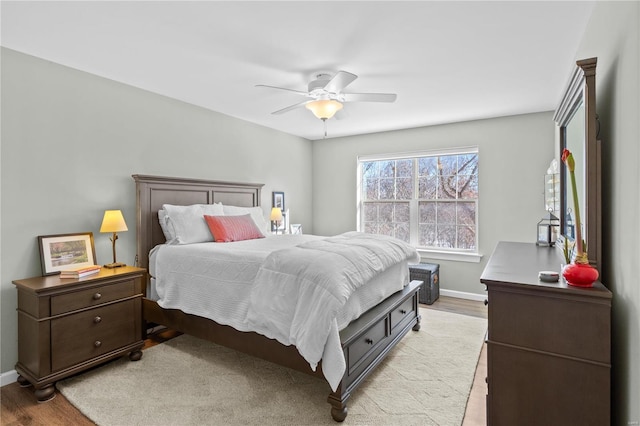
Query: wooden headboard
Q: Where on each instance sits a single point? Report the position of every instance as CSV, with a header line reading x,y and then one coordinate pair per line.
x,y
154,191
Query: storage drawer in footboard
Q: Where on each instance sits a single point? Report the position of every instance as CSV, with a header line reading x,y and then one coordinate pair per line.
x,y
368,339
367,344
405,311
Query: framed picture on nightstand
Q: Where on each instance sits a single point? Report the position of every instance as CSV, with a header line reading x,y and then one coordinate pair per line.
x,y
65,251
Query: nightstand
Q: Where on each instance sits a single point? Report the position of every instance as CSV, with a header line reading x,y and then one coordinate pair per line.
x,y
66,326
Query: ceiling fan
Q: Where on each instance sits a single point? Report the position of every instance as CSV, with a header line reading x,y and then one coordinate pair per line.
x,y
325,97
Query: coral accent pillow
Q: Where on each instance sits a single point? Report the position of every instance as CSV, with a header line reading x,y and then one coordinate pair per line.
x,y
232,228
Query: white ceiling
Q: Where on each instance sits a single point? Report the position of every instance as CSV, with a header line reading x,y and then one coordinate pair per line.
x,y
447,61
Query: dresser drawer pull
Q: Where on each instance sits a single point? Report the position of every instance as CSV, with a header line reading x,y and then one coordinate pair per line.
x,y
97,296
403,311
369,341
96,320
97,343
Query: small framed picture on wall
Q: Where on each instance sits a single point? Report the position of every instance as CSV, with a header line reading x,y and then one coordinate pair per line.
x,y
278,200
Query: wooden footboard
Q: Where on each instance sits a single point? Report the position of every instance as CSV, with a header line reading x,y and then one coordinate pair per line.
x,y
368,340
365,342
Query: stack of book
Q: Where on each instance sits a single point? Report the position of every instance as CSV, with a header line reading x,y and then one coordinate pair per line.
x,y
80,272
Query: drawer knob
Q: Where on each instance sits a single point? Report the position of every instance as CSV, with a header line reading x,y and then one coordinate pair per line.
x,y
97,320
403,311
97,296
97,343
369,341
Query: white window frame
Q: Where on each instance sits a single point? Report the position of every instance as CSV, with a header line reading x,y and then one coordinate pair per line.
x,y
431,253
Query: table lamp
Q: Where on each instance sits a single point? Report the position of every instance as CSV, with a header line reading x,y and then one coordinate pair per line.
x,y
276,217
113,221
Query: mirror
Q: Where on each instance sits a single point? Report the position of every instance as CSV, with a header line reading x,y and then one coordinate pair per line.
x,y
574,141
577,122
552,188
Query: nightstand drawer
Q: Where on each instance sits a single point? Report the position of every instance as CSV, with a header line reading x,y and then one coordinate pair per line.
x,y
403,311
90,297
79,337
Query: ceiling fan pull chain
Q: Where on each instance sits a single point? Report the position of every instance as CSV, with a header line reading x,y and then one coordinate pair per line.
x,y
324,120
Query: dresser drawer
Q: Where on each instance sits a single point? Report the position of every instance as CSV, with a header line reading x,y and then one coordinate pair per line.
x,y
367,344
531,388
79,337
406,310
94,296
551,323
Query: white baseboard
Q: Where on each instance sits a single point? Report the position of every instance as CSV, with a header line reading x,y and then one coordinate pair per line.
x,y
463,295
8,377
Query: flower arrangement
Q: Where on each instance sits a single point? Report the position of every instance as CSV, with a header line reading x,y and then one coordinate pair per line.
x,y
578,273
581,252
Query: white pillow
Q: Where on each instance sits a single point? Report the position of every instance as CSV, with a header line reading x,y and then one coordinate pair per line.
x,y
256,214
186,224
166,230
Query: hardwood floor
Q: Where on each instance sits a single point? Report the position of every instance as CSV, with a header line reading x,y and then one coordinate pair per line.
x,y
19,406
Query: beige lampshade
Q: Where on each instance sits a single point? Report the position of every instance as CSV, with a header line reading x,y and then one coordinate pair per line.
x,y
113,221
276,214
324,109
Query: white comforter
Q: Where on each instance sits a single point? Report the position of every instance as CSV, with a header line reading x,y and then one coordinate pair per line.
x,y
213,280
307,285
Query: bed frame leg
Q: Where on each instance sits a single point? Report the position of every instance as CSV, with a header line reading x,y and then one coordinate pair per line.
x,y
338,407
417,326
135,355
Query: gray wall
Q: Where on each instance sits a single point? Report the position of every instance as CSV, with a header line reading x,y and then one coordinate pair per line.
x,y
515,153
72,140
613,36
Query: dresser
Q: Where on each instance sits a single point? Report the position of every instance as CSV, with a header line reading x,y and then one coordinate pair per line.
x,y
68,325
548,344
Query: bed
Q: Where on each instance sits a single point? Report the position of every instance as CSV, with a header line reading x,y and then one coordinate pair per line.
x,y
364,342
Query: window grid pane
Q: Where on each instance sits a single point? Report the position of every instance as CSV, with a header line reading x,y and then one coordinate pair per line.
x,y
387,180
446,195
387,218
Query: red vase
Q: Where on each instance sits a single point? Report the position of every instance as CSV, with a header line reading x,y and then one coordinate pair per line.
x,y
580,274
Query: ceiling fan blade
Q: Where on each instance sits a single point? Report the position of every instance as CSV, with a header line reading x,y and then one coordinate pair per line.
x,y
291,107
297,92
339,81
369,97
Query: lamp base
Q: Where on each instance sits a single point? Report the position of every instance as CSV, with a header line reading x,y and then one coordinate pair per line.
x,y
115,265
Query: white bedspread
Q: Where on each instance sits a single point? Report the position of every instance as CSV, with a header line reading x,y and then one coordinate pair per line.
x,y
213,280
307,285
217,281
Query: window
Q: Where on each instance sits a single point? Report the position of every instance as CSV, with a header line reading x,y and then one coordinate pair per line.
x,y
429,199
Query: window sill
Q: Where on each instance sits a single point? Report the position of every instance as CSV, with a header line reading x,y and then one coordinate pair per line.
x,y
450,255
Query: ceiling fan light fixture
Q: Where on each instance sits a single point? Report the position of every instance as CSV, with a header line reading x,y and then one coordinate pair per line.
x,y
324,108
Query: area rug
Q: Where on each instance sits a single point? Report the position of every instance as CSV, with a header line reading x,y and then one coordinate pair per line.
x,y
425,380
